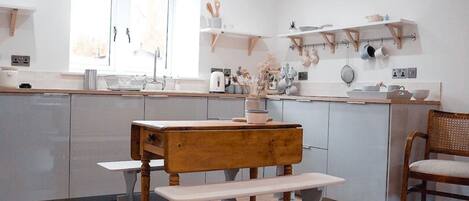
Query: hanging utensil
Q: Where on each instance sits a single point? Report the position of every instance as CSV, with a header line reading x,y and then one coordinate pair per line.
x,y
347,73
210,9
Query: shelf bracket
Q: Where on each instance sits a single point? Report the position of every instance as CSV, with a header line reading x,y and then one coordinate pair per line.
x,y
396,32
13,14
298,44
214,41
252,43
354,40
329,38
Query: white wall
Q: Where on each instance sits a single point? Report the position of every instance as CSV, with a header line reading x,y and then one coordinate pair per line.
x,y
239,15
44,35
440,53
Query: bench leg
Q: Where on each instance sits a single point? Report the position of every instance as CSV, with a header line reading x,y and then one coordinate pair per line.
x,y
230,175
130,180
311,194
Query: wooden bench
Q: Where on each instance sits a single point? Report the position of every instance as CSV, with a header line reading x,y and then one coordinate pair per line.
x,y
130,170
309,184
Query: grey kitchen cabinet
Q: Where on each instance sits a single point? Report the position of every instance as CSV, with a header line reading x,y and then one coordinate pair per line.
x,y
358,151
225,108
34,146
366,144
100,132
176,108
313,116
275,109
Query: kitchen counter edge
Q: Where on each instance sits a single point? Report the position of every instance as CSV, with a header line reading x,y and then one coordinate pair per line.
x,y
203,94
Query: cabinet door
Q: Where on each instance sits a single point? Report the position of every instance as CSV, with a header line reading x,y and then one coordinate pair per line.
x,y
358,151
225,108
313,116
176,108
100,132
275,108
34,147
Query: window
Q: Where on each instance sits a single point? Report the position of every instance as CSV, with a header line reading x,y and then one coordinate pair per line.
x,y
119,36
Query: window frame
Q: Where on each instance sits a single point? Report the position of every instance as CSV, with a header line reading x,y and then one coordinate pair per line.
x,y
112,67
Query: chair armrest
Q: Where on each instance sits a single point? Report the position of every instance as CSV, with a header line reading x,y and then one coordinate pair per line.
x,y
408,145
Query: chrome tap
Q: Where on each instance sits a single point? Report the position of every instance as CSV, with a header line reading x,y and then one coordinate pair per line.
x,y
154,80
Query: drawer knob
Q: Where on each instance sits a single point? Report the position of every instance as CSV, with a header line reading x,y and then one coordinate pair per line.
x,y
151,138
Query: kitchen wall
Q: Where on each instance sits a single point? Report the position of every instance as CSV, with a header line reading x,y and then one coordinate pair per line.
x,y
244,16
44,36
440,53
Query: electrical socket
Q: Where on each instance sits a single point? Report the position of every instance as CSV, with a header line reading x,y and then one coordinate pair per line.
x,y
412,73
303,76
20,60
399,73
404,73
216,69
227,72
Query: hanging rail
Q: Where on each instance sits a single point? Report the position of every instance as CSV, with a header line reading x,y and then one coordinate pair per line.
x,y
346,43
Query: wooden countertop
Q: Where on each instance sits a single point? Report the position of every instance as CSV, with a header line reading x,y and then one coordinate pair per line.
x,y
351,100
203,94
124,93
211,125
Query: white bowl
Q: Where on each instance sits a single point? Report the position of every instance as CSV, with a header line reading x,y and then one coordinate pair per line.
x,y
420,94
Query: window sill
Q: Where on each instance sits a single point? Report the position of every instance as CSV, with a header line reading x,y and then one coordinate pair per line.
x,y
101,74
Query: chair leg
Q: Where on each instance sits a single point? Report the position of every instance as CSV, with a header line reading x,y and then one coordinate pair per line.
x,y
405,184
424,191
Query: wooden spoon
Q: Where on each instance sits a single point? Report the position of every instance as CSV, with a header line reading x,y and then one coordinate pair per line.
x,y
210,9
217,8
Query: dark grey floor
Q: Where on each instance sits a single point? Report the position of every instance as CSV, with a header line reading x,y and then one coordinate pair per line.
x,y
153,196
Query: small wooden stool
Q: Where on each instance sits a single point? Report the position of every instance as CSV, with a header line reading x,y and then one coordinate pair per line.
x,y
130,170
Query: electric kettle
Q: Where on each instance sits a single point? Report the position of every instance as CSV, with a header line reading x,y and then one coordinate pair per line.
x,y
217,82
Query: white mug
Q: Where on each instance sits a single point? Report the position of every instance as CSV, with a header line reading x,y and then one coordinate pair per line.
x,y
381,53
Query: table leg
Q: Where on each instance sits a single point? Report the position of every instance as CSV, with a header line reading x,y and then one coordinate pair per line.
x,y
230,175
174,179
252,175
287,170
145,182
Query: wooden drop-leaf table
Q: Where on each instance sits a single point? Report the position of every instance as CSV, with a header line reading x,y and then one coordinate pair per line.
x,y
198,146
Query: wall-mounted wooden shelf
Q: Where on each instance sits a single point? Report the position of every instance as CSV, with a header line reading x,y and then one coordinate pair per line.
x,y
14,11
352,33
252,39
